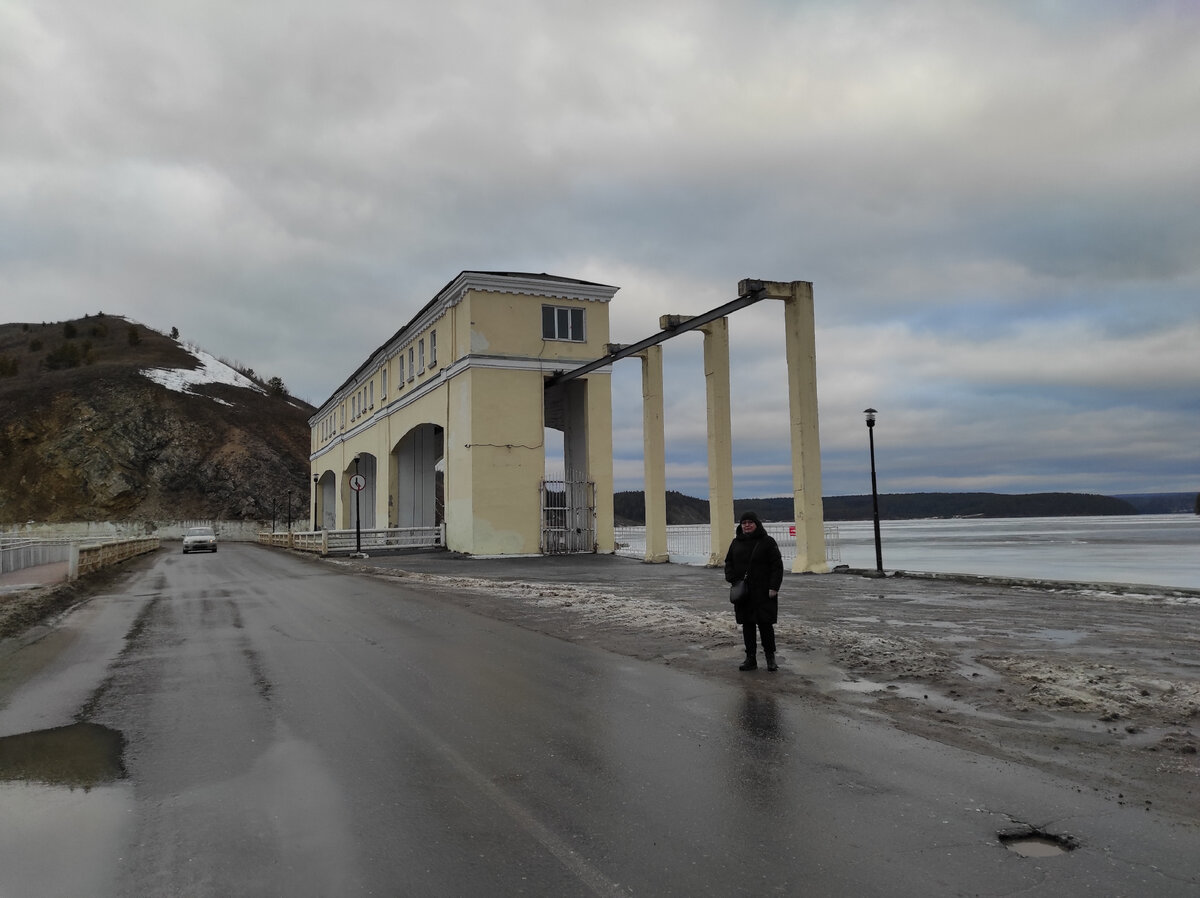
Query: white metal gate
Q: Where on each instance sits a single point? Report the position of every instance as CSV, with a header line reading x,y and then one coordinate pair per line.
x,y
568,517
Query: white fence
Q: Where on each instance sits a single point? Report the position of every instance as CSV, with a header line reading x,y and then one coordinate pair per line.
x,y
16,554
692,543
108,531
345,542
98,555
19,553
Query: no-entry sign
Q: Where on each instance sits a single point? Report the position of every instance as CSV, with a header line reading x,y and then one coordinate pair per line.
x,y
358,483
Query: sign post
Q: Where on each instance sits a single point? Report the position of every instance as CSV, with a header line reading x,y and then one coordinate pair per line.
x,y
357,483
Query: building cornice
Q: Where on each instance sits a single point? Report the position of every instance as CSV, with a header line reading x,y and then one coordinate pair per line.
x,y
412,394
544,285
522,283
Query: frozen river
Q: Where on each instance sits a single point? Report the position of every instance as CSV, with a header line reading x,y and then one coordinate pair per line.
x,y
1157,550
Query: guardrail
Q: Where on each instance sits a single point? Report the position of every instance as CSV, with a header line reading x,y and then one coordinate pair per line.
x,y
18,554
345,542
98,555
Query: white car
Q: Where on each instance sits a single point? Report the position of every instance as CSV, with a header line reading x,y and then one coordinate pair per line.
x,y
199,539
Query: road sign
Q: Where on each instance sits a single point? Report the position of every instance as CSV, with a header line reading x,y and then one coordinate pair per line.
x,y
358,483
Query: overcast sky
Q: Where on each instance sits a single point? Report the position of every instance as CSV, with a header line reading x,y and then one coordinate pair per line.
x,y
998,204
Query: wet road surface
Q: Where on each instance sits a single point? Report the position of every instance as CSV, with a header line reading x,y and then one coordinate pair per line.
x,y
255,723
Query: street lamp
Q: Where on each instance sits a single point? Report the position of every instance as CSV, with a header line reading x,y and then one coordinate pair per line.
x,y
357,516
289,511
316,480
871,413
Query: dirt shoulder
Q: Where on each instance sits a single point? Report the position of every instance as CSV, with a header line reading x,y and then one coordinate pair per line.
x,y
26,613
1098,684
25,608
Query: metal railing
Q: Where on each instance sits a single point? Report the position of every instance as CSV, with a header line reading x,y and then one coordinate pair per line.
x,y
16,554
345,542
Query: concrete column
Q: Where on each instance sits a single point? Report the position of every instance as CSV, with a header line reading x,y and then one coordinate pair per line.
x,y
720,439
345,502
654,452
600,456
801,350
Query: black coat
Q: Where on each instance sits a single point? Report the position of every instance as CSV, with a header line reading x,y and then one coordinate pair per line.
x,y
766,574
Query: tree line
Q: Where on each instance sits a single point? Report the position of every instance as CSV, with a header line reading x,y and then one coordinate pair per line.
x,y
629,507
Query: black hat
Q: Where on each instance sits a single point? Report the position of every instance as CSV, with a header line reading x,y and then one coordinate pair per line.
x,y
750,516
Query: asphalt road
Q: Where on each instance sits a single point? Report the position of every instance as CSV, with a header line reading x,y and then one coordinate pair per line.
x,y
255,723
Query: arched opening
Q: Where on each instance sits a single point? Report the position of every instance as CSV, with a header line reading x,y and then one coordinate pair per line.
x,y
326,502
359,509
418,497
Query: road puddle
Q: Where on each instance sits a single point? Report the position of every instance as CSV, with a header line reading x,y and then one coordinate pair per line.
x,y
68,787
1036,844
82,755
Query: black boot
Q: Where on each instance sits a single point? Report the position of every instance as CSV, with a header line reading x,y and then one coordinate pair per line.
x,y
751,663
771,665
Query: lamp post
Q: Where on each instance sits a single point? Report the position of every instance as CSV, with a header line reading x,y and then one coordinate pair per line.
x,y
357,516
871,413
316,480
289,511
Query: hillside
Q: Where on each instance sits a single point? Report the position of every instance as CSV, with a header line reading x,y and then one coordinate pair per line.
x,y
630,507
903,506
102,419
1164,503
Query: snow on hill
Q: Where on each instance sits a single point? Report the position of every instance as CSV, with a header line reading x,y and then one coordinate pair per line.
x,y
210,371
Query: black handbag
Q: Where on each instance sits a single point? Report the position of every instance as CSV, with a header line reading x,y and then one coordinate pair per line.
x,y
740,591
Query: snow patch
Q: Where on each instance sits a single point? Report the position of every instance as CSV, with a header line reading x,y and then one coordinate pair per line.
x,y
211,371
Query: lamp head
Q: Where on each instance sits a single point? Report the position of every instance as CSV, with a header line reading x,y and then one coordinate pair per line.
x,y
870,413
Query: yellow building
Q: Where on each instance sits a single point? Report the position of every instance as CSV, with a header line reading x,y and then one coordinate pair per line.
x,y
445,421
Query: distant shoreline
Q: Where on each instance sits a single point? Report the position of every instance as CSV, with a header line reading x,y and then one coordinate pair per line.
x,y
629,506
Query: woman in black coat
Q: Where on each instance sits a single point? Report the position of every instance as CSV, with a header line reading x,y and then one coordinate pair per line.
x,y
756,551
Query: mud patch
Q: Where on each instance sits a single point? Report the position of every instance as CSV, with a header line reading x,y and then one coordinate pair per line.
x,y
19,611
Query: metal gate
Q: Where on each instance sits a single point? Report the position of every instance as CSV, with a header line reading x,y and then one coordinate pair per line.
x,y
568,517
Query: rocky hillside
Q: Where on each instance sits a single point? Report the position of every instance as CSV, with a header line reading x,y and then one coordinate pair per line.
x,y
103,419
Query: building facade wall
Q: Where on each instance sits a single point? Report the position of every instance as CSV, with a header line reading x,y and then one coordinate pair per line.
x,y
472,363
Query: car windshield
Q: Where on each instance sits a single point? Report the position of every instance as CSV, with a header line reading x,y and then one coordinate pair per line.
x,y
200,531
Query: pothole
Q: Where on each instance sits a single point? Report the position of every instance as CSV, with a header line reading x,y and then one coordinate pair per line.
x,y
1028,841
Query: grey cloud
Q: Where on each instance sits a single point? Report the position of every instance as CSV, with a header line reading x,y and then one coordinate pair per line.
x,y
949,175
